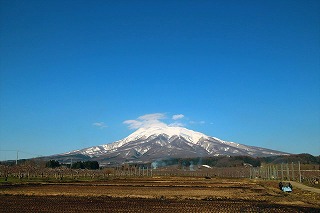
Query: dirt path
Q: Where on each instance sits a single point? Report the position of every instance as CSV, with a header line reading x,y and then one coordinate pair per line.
x,y
304,187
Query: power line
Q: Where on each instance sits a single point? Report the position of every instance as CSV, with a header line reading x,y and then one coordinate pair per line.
x,y
17,156
15,150
33,154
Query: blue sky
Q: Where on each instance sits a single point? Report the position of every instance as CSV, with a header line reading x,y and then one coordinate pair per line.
x,y
72,72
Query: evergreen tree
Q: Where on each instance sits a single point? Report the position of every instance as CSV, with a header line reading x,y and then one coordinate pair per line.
x,y
52,164
85,165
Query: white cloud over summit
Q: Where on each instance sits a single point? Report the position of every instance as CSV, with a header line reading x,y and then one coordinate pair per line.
x,y
177,117
146,121
154,119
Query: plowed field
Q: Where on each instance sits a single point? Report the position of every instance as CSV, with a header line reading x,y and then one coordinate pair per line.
x,y
156,195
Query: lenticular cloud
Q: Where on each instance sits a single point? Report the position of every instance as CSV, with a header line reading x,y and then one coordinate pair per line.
x,y
155,119
146,121
177,117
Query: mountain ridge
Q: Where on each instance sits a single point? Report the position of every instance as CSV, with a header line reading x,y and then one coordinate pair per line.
x,y
162,142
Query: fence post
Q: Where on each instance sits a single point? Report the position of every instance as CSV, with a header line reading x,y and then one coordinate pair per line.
x,y
292,171
299,172
288,174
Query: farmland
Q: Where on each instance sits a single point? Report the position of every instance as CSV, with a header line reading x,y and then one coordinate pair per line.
x,y
157,194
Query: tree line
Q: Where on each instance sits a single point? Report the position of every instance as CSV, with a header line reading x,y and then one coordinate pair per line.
x,y
77,165
215,161
236,161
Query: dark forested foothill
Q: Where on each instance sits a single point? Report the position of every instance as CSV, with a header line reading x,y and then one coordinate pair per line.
x,y
52,164
85,165
235,161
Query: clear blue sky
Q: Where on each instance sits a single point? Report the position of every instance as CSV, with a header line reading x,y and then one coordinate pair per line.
x,y
73,71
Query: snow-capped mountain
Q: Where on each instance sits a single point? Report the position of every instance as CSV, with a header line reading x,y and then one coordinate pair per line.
x,y
161,142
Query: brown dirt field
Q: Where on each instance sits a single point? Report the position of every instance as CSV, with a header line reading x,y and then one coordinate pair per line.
x,y
157,195
21,203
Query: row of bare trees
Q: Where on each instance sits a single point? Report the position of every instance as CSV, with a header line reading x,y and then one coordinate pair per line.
x,y
287,171
38,169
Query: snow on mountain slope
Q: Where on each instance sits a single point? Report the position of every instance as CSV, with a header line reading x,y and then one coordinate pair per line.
x,y
154,142
143,134
190,135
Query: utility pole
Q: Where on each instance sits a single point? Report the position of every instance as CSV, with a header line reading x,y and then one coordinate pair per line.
x,y
17,157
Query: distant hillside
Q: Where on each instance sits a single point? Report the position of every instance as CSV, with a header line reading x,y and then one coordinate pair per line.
x,y
304,158
216,161
234,161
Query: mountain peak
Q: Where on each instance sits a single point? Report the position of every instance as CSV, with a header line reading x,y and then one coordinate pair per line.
x,y
159,141
145,132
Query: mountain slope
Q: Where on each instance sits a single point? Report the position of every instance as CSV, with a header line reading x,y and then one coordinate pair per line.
x,y
161,142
